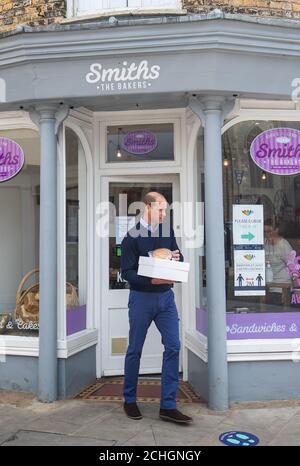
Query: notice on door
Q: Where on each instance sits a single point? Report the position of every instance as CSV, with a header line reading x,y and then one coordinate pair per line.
x,y
123,224
249,253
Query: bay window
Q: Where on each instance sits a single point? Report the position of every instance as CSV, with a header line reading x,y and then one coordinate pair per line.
x,y
262,229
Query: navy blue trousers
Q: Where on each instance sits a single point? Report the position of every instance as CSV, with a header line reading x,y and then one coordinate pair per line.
x,y
145,307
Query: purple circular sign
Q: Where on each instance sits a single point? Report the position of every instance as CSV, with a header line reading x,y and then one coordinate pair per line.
x,y
139,142
277,151
11,159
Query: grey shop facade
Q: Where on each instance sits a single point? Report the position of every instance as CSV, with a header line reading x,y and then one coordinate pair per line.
x,y
203,91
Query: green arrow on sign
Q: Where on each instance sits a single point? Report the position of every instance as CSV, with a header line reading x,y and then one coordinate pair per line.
x,y
248,236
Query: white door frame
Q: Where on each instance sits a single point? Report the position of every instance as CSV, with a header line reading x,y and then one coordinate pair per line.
x,y
102,256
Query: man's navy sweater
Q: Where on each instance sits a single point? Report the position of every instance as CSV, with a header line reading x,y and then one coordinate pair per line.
x,y
138,242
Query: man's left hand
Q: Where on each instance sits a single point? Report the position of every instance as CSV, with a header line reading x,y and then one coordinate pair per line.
x,y
176,255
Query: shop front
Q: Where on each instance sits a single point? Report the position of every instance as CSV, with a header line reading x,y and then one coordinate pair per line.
x,y
261,240
95,127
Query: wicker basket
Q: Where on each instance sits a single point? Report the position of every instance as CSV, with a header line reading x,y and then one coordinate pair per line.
x,y
27,300
71,296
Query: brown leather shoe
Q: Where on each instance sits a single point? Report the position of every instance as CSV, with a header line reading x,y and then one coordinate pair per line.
x,y
174,415
132,411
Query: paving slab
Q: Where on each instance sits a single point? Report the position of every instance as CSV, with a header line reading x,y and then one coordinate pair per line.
x,y
115,425
263,422
32,438
145,438
69,417
289,435
104,423
162,433
4,437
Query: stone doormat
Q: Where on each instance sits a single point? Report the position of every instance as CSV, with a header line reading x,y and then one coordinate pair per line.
x,y
111,389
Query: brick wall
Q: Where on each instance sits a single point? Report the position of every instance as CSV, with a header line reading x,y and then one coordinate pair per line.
x,y
44,12
31,12
285,9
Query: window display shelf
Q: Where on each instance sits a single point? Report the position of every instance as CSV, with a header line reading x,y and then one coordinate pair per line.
x,y
12,345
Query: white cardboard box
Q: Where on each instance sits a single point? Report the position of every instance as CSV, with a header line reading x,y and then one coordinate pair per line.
x,y
163,268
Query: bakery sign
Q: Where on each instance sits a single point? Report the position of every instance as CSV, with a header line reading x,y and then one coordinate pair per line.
x,y
139,142
11,159
127,77
277,151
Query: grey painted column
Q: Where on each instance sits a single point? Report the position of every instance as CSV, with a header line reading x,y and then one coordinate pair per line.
x,y
47,116
215,256
211,111
48,375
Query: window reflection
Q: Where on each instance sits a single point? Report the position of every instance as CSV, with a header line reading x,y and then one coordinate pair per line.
x,y
19,233
122,197
76,234
246,183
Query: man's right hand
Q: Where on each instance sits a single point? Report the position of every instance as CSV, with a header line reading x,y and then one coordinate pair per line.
x,y
161,281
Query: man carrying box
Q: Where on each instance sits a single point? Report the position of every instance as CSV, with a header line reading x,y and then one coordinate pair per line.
x,y
151,299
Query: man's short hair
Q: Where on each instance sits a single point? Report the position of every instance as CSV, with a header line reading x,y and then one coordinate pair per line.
x,y
152,197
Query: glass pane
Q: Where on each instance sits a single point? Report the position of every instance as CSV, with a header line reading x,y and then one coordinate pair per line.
x,y
140,143
126,203
76,241
19,232
200,266
279,196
